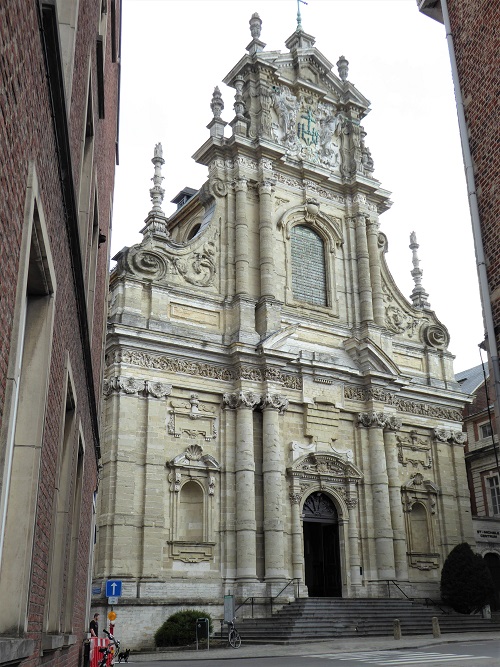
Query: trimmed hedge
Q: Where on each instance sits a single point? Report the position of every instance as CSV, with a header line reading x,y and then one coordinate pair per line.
x,y
466,582
180,628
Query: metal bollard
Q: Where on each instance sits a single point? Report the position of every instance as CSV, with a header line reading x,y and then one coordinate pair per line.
x,y
397,628
436,630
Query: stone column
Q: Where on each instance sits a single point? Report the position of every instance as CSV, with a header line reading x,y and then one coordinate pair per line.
x,y
364,278
273,470
267,277
246,552
297,550
376,279
241,254
381,511
153,503
353,535
393,424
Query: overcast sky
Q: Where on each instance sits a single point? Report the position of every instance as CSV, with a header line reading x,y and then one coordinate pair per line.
x,y
174,52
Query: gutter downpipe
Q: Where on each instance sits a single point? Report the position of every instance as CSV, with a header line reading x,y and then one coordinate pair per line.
x,y
491,343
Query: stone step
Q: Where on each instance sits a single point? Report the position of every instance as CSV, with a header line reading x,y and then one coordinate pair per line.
x,y
320,618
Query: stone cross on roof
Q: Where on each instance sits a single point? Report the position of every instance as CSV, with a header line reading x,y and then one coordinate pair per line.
x,y
299,17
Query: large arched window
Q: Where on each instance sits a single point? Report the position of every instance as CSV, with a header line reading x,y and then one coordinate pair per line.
x,y
308,266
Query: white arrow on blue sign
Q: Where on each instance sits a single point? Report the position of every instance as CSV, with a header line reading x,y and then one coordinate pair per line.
x,y
113,588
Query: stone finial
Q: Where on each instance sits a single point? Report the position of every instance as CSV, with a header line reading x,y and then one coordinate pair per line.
x,y
155,226
255,26
217,125
217,105
418,296
343,67
157,192
255,45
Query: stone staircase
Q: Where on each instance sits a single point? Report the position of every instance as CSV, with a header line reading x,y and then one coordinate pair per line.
x,y
307,619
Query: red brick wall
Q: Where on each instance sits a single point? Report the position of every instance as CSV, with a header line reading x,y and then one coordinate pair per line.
x,y
26,135
476,34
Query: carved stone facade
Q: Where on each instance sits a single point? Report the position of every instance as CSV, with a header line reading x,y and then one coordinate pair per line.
x,y
250,420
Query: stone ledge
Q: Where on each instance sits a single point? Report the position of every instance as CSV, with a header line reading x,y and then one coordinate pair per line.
x,y
69,640
12,651
52,642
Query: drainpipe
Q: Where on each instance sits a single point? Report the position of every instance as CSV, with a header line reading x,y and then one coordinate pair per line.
x,y
491,342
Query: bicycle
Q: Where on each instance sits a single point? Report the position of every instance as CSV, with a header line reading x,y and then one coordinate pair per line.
x,y
233,636
112,648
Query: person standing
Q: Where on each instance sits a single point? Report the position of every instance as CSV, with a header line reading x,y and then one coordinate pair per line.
x,y
94,626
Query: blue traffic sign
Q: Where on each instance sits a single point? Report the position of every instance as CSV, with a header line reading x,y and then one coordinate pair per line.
x,y
113,588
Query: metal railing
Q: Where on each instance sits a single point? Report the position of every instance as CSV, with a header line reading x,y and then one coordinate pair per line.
x,y
271,598
429,602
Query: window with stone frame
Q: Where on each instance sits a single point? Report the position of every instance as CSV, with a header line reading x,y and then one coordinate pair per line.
x,y
485,430
493,487
308,266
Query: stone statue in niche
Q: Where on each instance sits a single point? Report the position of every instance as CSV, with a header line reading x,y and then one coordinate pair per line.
x,y
329,139
286,106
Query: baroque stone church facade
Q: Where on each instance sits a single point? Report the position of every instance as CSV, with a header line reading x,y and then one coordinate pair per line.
x,y
275,409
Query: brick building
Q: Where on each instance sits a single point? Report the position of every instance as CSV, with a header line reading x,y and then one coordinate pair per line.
x,y
472,31
59,81
276,409
483,468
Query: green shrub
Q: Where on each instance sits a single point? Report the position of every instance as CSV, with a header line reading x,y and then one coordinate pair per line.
x,y
466,583
180,628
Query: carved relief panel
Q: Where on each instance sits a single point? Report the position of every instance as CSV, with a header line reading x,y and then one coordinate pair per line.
x,y
414,451
192,419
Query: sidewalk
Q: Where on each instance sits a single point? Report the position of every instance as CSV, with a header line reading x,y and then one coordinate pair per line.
x,y
317,647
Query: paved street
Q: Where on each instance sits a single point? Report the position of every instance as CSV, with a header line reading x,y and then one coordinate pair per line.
x,y
482,650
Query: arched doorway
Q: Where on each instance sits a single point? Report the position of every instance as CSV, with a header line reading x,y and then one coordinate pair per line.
x,y
321,546
493,563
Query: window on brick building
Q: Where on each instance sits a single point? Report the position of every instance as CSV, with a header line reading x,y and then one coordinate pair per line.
x,y
74,518
493,485
85,203
27,390
486,430
62,509
67,15
308,266
92,265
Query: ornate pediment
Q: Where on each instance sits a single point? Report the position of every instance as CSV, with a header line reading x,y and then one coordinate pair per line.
x,y
332,467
